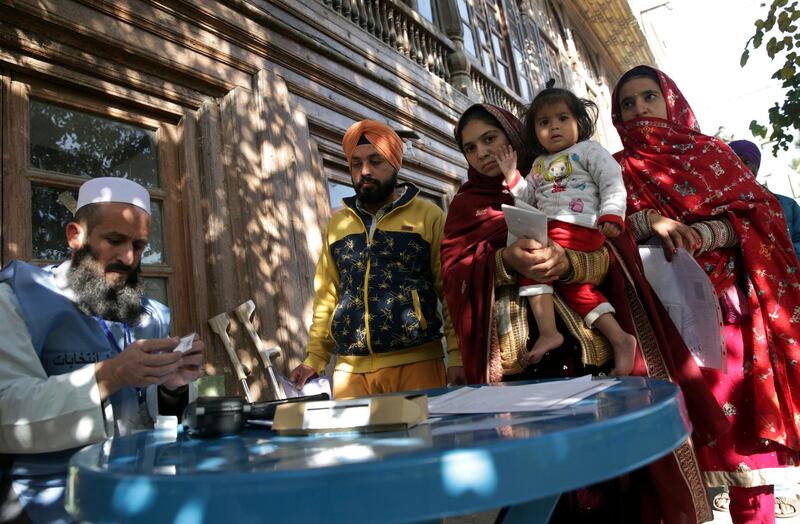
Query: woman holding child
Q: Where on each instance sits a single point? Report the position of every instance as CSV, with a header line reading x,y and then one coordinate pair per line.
x,y
481,274
691,191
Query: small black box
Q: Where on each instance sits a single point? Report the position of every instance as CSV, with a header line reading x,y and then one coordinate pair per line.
x,y
215,416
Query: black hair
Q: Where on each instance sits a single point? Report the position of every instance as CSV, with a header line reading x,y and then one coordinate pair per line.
x,y
585,113
640,71
88,216
476,112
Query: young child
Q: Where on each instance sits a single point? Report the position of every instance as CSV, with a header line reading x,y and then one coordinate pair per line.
x,y
578,184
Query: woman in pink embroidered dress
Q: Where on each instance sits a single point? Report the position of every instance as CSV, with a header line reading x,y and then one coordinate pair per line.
x,y
692,192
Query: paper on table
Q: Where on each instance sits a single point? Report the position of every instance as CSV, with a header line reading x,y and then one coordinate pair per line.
x,y
541,396
524,220
688,295
495,422
315,386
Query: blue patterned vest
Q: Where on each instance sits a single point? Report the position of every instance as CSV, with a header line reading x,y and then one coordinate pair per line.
x,y
66,339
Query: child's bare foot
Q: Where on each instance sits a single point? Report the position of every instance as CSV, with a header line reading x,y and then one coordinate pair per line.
x,y
544,343
624,354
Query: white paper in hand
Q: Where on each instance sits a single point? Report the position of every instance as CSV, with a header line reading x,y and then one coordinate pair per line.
x,y
524,220
688,295
186,343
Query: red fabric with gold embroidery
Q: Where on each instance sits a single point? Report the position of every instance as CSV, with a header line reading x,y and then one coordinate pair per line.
x,y
669,166
475,229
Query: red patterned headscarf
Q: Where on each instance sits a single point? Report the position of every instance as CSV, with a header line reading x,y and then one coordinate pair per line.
x,y
669,166
475,229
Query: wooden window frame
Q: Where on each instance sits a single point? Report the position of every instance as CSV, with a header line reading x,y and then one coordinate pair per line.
x,y
414,4
466,24
18,177
482,13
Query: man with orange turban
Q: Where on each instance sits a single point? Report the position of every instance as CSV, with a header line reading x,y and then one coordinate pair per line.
x,y
378,281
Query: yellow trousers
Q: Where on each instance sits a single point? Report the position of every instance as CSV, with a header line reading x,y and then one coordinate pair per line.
x,y
408,377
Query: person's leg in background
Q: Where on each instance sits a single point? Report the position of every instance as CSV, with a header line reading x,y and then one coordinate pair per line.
x,y
346,384
426,374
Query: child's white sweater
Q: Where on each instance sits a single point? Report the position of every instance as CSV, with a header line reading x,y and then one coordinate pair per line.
x,y
580,185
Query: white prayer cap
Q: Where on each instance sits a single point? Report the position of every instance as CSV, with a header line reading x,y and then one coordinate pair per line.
x,y
113,189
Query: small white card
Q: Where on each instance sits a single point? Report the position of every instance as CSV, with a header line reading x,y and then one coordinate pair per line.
x,y
525,221
186,343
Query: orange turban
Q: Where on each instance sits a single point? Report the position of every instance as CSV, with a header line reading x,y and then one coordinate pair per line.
x,y
385,140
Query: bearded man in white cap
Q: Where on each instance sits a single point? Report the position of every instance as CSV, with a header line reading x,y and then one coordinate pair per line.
x,y
85,355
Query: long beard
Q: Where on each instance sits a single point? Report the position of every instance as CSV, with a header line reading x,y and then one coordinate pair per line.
x,y
120,302
379,193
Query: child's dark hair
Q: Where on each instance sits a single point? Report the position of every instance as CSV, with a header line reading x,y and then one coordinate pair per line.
x,y
584,111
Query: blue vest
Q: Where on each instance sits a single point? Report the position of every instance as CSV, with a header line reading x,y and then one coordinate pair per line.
x,y
66,339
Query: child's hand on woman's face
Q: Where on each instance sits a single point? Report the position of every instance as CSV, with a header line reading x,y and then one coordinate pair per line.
x,y
610,229
507,161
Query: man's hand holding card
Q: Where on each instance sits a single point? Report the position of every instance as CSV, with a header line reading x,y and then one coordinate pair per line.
x,y
191,364
186,344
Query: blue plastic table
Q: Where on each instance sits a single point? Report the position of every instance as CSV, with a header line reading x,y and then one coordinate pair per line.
x,y
452,466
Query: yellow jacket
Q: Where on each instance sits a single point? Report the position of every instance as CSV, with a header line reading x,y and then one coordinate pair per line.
x,y
378,289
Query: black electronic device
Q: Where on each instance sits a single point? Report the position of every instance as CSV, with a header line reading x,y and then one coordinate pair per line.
x,y
220,416
215,416
266,410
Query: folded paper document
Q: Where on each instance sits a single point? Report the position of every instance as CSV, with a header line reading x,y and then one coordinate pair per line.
x,y
380,413
688,295
524,220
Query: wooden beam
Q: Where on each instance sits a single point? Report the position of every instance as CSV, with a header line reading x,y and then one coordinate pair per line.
x,y
172,228
79,25
17,240
29,43
220,262
194,255
249,203
90,85
287,169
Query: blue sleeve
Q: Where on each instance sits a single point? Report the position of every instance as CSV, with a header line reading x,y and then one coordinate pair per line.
x,y
793,222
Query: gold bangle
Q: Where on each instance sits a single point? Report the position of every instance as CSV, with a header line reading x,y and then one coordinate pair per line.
x,y
649,216
501,274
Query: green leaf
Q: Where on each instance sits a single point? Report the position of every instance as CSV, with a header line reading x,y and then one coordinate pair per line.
x,y
783,21
773,42
783,43
769,23
757,129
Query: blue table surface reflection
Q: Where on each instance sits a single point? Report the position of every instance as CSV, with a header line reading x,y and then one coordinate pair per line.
x,y
450,466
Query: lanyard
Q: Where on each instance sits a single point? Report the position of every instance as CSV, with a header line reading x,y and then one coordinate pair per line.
x,y
128,340
111,338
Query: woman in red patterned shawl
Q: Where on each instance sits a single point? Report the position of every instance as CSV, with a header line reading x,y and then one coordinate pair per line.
x,y
692,192
476,268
